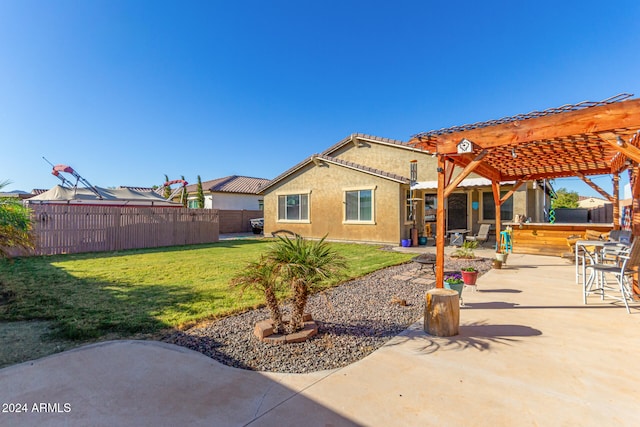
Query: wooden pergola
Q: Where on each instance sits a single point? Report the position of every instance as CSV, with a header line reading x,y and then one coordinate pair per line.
x,y
585,139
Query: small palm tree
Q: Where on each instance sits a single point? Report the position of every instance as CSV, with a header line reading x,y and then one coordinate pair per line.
x,y
15,225
303,264
261,275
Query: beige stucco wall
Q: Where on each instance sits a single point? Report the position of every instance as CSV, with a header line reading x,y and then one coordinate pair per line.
x,y
327,185
389,159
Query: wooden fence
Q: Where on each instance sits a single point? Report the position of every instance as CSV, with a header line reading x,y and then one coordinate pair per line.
x,y
601,214
63,229
237,221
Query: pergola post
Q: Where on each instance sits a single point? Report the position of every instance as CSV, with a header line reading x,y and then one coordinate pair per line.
x,y
495,186
440,226
616,201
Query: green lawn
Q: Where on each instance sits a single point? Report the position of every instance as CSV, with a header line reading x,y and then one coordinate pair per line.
x,y
91,295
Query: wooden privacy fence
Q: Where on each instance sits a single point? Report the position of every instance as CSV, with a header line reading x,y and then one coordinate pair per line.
x,y
63,229
237,221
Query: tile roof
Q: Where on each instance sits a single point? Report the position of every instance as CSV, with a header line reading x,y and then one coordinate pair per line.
x,y
369,138
336,161
138,189
231,184
362,168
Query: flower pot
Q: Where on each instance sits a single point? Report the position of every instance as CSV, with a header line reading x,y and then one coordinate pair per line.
x,y
422,240
405,243
469,277
458,287
502,257
497,264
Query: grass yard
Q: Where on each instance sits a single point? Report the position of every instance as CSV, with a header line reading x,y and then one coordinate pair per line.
x,y
89,296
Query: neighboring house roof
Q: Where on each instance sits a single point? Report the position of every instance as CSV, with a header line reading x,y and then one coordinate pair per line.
x,y
591,202
37,191
231,184
16,194
110,197
317,158
138,189
355,137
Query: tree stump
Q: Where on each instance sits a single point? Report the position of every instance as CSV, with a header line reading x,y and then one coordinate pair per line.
x,y
442,312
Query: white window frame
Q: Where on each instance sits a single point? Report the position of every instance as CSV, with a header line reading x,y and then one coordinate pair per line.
x,y
373,205
294,221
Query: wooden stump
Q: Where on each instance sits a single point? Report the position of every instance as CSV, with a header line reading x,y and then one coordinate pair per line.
x,y
442,312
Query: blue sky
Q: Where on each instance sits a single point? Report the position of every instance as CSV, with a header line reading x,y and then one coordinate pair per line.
x,y
127,91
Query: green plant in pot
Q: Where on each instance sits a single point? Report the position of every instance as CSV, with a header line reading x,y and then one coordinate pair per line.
x,y
469,275
502,256
454,281
466,250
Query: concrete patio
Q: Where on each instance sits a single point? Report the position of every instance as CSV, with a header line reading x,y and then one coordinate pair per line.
x,y
529,353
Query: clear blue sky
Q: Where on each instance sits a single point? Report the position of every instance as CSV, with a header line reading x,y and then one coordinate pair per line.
x,y
127,91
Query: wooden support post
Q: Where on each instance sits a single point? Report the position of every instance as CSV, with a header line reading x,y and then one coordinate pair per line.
x,y
442,312
495,186
440,227
634,179
616,201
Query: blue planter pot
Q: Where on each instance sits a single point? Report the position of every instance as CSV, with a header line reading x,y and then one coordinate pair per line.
x,y
422,240
406,243
458,287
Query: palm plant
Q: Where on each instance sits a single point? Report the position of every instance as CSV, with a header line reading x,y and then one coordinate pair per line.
x,y
15,225
302,264
262,276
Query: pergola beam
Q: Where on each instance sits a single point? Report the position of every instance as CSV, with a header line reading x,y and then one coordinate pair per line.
x,y
604,118
465,172
621,146
595,186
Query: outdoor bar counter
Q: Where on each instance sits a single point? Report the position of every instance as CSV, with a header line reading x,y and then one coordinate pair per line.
x,y
549,239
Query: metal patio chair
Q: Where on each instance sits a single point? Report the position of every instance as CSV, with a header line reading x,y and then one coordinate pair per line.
x,y
483,234
621,269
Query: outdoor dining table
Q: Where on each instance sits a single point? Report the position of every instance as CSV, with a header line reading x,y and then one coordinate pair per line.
x,y
456,236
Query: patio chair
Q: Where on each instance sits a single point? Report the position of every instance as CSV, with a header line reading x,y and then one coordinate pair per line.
x,y
622,270
483,234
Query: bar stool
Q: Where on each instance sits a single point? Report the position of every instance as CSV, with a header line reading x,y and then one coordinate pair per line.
x,y
505,242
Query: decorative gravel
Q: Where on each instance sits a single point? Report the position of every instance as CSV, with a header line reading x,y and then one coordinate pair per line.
x,y
354,319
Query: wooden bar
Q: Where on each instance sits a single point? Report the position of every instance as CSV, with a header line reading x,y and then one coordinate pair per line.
x,y
549,239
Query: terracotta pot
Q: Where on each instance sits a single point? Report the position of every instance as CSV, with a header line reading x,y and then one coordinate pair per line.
x,y
497,264
469,277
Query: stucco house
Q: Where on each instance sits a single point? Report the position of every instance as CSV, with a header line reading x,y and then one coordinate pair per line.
x,y
229,193
360,190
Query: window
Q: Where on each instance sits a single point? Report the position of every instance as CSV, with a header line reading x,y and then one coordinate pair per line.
x,y
359,205
430,205
408,207
293,207
192,204
489,207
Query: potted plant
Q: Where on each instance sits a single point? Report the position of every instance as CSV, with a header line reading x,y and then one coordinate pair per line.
x,y
501,256
497,264
466,250
469,275
454,281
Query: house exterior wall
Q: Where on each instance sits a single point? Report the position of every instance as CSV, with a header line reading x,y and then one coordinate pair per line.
x,y
230,201
326,185
389,159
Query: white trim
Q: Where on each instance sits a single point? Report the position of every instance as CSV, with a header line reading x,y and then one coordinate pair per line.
x,y
467,182
371,221
293,221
